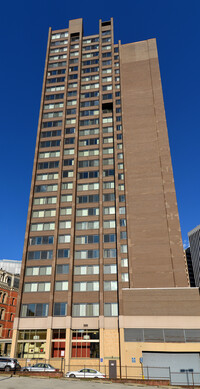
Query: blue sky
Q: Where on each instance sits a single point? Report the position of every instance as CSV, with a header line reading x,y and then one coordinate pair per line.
x,y
24,30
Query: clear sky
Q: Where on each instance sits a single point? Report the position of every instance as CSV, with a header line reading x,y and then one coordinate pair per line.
x,y
24,31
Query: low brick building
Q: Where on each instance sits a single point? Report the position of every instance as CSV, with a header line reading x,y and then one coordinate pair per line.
x,y
9,284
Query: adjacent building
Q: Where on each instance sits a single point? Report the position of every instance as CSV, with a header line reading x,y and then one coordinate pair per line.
x,y
103,273
11,265
194,239
9,286
190,267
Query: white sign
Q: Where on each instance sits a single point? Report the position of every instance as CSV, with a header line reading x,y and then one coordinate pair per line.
x,y
62,353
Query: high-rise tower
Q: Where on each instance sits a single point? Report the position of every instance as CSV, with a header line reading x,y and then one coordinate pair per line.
x,y
102,218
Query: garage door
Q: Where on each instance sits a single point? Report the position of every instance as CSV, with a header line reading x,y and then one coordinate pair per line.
x,y
179,368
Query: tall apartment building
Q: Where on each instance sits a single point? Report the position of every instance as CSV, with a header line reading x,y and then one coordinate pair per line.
x,y
103,251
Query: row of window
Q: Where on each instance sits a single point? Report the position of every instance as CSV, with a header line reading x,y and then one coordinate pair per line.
x,y
78,270
60,309
82,286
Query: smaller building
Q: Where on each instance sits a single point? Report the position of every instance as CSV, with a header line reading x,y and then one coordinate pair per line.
x,y
9,285
11,265
194,239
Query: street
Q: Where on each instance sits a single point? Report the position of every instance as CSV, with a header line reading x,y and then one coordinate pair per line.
x,y
52,383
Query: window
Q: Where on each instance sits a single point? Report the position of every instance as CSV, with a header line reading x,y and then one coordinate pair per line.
x,y
109,150
89,122
109,224
86,239
109,210
71,111
68,162
54,72
87,225
48,165
57,64
61,285
109,253
120,165
63,253
65,211
37,240
46,188
108,185
64,224
86,270
90,70
58,43
67,186
89,112
88,199
88,163
48,134
60,35
87,212
70,130
125,277
106,87
109,197
121,186
44,200
66,198
55,88
88,310
107,62
50,143
124,262
90,78
53,105
122,210
108,140
110,269
64,238
68,151
107,238
110,285
62,269
40,254
89,142
122,198
38,271
110,309
123,235
87,95
85,153
123,222
44,213
86,254
90,286
108,161
71,102
28,310
42,226
90,86
124,248
60,309
85,343
108,172
91,174
93,131
37,287
121,176
92,186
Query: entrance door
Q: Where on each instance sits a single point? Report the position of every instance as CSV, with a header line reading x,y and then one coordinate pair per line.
x,y
112,369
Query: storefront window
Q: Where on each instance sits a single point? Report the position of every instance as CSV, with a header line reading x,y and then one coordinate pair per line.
x,y
31,344
85,344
